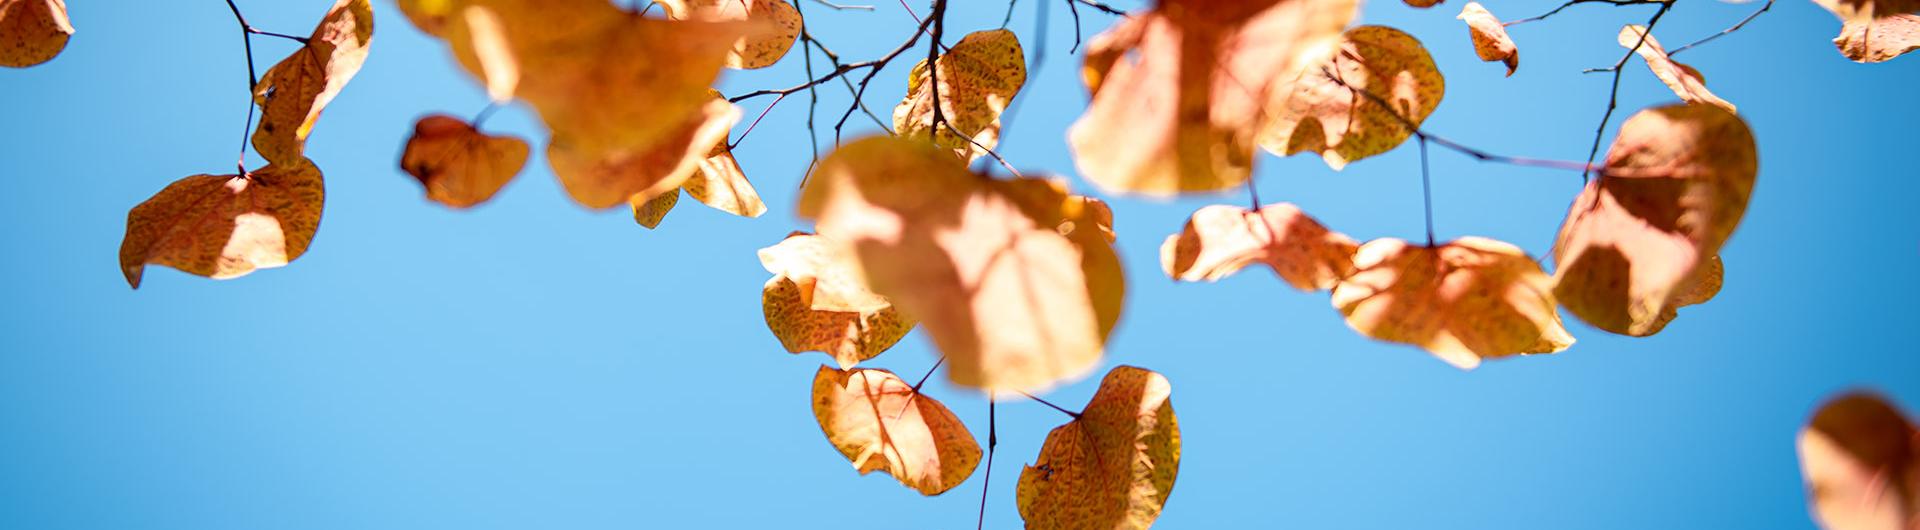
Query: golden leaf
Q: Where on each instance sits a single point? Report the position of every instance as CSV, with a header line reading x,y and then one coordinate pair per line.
x,y
721,184
1490,40
650,211
1685,81
817,301
1424,3
292,93
1219,240
1676,184
459,165
32,31
978,78
1114,465
225,226
879,424
1861,459
1464,301
758,50
1314,113
1875,30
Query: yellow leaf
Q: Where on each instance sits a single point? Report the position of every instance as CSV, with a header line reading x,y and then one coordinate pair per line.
x,y
1219,240
720,183
1314,113
32,31
225,226
879,424
650,211
1490,40
459,165
292,93
1875,30
1675,186
817,301
1685,81
758,50
1861,459
978,78
1179,91
1014,302
1114,465
1464,301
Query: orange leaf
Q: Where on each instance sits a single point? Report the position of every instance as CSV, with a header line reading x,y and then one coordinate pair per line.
x,y
1179,92
817,301
1424,3
1314,113
1219,240
649,212
292,93
978,77
1490,40
225,226
1674,189
1875,30
459,165
721,184
1861,459
1685,81
758,50
1471,299
32,31
1114,465
879,424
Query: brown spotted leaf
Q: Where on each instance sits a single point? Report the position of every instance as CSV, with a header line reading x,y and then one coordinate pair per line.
x,y
1179,92
817,301
1424,3
758,50
1685,81
1011,299
1675,186
1219,240
225,226
1315,114
32,31
879,424
1861,460
1464,301
1875,30
1490,40
721,184
650,211
1114,465
978,78
459,165
292,93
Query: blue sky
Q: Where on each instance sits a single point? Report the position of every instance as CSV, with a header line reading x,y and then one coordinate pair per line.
x,y
532,364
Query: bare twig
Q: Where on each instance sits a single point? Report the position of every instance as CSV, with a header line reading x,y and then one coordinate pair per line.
x,y
993,440
1613,93
253,80
1062,410
844,7
1472,152
1736,27
1571,3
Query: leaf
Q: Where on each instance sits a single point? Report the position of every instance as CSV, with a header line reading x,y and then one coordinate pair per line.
x,y
1012,300
650,211
498,66
1423,4
1314,113
978,78
817,301
759,50
1114,465
1490,40
1674,188
1861,459
32,31
1179,91
1685,81
1464,301
292,93
1874,31
879,424
225,226
459,165
1219,240
721,184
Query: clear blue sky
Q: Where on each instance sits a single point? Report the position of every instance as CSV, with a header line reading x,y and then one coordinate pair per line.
x,y
529,364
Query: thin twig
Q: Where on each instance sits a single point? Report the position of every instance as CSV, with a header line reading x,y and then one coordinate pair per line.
x,y
1571,3
993,440
1613,94
1475,153
1736,27
253,80
1063,410
1426,189
844,7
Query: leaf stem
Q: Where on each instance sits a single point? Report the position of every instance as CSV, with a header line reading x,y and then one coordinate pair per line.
x,y
993,440
253,80
1062,410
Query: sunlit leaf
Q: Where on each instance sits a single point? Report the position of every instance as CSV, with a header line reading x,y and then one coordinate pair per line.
x,y
1424,3
879,424
32,31
721,184
292,93
758,50
488,37
650,211
1685,81
225,226
978,77
1315,114
1490,40
817,301
1875,30
1676,184
459,165
1114,465
1861,459
1219,240
1464,301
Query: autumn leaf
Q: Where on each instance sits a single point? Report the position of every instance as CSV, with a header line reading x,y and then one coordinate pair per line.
x,y
1675,186
818,301
1179,92
1490,40
1685,81
759,50
459,165
1861,459
1012,300
1424,3
1315,113
1464,301
225,226
978,77
879,424
1875,30
32,31
649,212
292,93
1114,465
1219,240
487,35
717,182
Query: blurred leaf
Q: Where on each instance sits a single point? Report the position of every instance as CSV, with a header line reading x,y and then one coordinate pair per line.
x,y
1875,30
459,165
780,23
1861,459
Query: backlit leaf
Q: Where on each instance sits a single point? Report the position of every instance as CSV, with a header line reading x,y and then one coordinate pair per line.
x,y
1464,301
1861,460
1490,40
488,37
1316,114
1676,184
292,93
459,165
758,50
1424,3
1114,465
1219,240
1179,91
978,77
817,301
1685,81
1875,30
879,424
225,226
32,31
721,184
649,212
